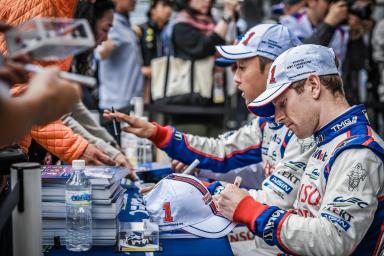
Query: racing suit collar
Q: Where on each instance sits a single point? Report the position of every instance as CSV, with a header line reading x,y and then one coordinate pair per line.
x,y
354,116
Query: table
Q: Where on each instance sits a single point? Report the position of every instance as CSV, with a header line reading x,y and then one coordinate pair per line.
x,y
169,247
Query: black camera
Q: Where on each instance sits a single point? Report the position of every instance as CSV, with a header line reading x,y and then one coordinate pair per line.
x,y
363,10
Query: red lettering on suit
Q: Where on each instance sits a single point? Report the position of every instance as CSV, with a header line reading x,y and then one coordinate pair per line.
x,y
268,169
305,213
309,194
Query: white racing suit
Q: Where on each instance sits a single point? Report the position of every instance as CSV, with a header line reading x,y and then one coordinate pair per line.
x,y
283,156
339,209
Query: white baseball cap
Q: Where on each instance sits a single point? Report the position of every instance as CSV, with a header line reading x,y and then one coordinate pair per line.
x,y
267,40
293,65
182,201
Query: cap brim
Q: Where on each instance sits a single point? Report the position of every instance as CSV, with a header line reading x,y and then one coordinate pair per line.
x,y
235,52
264,111
223,62
212,227
262,106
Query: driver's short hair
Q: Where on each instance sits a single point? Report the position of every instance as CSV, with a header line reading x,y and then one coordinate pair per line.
x,y
333,82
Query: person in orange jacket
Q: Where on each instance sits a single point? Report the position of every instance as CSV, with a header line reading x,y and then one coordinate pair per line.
x,y
54,137
46,91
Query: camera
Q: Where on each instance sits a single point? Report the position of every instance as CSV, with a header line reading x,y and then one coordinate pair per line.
x,y
363,10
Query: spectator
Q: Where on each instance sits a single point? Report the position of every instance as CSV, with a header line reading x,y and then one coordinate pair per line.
x,y
46,92
319,24
100,17
81,120
120,67
195,34
252,11
54,137
286,7
153,40
194,37
378,56
358,64
293,6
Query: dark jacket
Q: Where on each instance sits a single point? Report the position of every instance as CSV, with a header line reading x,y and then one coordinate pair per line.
x,y
190,43
152,42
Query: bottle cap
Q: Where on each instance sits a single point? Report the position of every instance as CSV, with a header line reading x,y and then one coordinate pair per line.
x,y
78,164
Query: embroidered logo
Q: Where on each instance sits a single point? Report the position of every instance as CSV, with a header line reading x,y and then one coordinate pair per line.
x,y
178,136
272,80
246,41
207,198
320,154
356,175
305,144
344,123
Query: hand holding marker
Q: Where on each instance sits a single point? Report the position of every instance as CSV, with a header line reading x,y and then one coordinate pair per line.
x,y
192,166
117,135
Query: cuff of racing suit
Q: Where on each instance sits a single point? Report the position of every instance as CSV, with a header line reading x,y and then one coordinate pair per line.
x,y
206,183
247,212
162,135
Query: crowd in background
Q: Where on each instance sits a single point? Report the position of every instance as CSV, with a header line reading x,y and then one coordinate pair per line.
x,y
191,29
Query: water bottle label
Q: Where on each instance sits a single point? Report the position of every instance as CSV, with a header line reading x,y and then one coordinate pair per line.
x,y
78,197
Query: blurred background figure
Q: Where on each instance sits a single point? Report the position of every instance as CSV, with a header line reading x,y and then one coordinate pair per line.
x,y
319,23
100,17
81,121
154,42
378,56
286,7
358,62
119,63
194,37
253,12
293,6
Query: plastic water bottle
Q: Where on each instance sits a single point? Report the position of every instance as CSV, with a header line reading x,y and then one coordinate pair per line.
x,y
78,199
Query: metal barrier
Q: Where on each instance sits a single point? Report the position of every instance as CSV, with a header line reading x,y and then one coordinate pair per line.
x,y
25,194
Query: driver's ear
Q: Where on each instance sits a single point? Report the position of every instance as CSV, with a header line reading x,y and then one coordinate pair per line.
x,y
314,85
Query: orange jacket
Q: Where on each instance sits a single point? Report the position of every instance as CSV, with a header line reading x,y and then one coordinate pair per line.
x,y
54,137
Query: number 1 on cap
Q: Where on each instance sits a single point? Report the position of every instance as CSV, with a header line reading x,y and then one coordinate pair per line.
x,y
167,209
